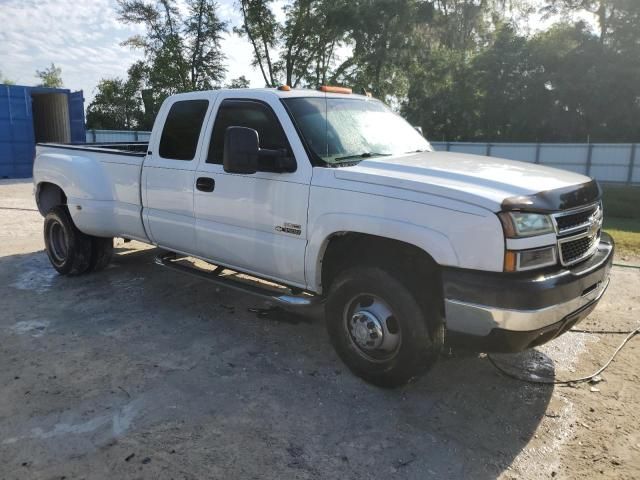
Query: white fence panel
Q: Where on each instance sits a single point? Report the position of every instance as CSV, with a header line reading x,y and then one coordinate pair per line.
x,y
581,169
607,162
563,154
606,173
610,161
473,148
524,152
124,136
617,154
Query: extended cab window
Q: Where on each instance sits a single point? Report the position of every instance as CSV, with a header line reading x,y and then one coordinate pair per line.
x,y
182,129
250,114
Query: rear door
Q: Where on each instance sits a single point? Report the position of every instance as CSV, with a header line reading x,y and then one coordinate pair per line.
x,y
256,223
76,117
169,170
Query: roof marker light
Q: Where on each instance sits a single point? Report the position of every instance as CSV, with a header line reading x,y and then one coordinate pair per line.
x,y
284,88
330,89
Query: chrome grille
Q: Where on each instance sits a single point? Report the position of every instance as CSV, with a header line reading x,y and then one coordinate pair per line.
x,y
573,220
576,249
578,233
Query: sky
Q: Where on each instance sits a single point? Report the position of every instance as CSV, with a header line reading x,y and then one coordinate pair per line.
x,y
83,38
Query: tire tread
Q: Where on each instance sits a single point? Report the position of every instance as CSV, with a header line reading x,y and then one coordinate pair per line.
x,y
79,244
421,345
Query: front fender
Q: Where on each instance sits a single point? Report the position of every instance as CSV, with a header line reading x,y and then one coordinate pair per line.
x,y
325,226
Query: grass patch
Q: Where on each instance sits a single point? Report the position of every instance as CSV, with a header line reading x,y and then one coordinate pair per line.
x,y
622,217
621,202
625,232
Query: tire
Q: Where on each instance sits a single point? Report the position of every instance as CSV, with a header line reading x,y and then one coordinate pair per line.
x,y
379,329
68,249
101,253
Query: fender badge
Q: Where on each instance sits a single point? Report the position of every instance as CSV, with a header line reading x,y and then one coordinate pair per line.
x,y
292,228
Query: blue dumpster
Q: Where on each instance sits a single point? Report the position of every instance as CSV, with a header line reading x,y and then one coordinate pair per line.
x,y
29,115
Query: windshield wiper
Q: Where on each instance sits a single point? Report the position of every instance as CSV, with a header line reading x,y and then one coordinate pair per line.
x,y
362,155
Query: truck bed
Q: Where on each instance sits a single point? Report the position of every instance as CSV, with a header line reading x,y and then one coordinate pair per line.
x,y
101,182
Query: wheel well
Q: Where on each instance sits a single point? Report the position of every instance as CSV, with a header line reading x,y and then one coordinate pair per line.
x,y
49,195
410,264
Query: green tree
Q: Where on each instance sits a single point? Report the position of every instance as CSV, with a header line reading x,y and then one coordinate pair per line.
x,y
383,38
118,104
50,77
299,51
602,9
503,82
560,85
590,89
260,27
5,81
442,96
240,82
182,50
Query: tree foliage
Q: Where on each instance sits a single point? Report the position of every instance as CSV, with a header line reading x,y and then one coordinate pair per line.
x,y
5,81
118,103
383,36
298,51
182,51
50,77
240,82
461,69
562,84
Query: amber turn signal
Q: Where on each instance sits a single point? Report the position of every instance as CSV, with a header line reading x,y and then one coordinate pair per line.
x,y
510,261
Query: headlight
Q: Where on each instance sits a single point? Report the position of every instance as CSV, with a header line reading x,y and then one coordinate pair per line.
x,y
519,260
521,224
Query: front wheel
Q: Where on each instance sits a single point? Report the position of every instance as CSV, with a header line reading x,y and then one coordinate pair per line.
x,y
379,329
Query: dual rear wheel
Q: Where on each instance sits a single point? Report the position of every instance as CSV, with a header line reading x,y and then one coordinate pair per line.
x,y
70,251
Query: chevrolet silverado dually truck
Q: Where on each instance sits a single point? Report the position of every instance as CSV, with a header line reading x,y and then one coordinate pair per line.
x,y
328,198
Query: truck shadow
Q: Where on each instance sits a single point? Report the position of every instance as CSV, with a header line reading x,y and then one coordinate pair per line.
x,y
261,395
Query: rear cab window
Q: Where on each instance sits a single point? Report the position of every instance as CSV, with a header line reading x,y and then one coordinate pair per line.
x,y
181,129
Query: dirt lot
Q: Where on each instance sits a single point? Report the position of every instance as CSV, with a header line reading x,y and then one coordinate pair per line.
x,y
137,372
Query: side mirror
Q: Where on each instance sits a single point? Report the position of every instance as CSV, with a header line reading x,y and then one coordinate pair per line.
x,y
242,154
241,149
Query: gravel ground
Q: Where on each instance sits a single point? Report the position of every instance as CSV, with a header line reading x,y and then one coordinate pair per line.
x,y
138,372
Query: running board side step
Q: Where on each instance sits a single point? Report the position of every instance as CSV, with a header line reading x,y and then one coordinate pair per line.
x,y
285,297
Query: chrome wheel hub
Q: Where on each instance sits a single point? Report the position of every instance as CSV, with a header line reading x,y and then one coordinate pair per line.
x,y
366,330
58,243
372,328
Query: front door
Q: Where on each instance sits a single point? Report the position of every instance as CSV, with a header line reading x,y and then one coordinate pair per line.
x,y
168,174
255,223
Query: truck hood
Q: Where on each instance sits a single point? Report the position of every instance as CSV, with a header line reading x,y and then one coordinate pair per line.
x,y
474,179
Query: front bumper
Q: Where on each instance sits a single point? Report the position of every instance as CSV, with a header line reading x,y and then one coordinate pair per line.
x,y
499,312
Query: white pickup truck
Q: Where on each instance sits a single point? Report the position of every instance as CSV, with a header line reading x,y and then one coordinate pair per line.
x,y
325,197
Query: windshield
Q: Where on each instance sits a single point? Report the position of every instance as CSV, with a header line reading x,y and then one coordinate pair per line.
x,y
346,130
